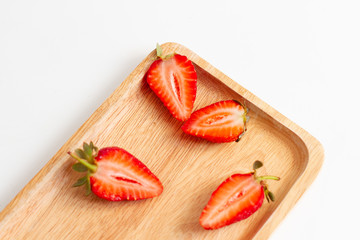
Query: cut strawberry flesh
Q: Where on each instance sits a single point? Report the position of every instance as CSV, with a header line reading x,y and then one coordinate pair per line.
x,y
235,199
120,176
174,81
125,179
220,122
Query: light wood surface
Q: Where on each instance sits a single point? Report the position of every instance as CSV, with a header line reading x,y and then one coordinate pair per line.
x,y
190,169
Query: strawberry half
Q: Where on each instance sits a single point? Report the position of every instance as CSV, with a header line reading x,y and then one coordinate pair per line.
x,y
173,79
237,198
114,174
224,121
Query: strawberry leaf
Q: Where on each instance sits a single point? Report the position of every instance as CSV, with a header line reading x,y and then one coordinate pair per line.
x,y
267,197
79,167
88,187
271,196
266,193
94,148
257,165
158,50
87,150
80,153
96,151
80,182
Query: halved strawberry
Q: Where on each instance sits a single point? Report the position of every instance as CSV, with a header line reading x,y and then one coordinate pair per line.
x,y
173,79
237,198
224,121
114,174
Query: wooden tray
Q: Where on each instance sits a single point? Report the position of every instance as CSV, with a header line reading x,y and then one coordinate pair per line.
x,y
189,168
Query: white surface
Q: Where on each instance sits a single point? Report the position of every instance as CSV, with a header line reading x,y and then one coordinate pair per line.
x,y
59,60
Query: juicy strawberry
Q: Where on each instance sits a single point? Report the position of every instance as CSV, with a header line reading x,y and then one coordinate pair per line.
x,y
237,198
223,121
115,175
173,79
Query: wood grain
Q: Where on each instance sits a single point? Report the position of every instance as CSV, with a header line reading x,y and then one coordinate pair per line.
x,y
189,168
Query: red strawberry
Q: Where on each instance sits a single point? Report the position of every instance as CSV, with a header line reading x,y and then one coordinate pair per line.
x,y
223,121
237,198
173,79
114,174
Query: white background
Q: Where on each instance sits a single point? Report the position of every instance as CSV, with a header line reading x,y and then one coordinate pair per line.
x,y
59,60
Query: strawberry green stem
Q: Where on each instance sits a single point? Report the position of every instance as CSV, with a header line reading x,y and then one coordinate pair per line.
x,y
267,177
90,166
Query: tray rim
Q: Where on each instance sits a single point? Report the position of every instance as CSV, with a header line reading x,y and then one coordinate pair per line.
x,y
314,147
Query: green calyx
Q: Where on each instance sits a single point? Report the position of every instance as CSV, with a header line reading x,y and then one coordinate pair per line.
x,y
159,53
158,50
85,163
269,195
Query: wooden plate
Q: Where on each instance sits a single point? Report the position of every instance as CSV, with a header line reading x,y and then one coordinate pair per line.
x,y
189,168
